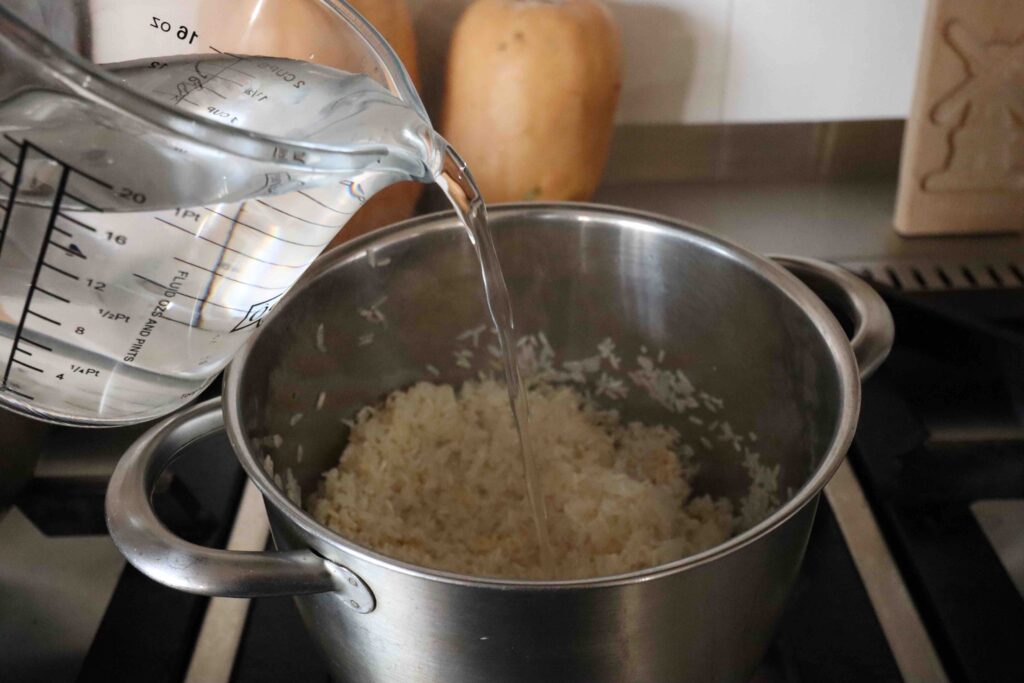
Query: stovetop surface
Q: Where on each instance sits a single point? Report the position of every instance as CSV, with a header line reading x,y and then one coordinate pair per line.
x,y
940,446
940,454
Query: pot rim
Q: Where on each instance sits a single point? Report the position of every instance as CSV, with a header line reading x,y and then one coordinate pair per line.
x,y
820,316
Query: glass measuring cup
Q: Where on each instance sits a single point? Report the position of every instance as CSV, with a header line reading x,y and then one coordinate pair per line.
x,y
154,210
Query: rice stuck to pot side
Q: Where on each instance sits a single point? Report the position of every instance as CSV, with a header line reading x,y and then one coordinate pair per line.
x,y
434,477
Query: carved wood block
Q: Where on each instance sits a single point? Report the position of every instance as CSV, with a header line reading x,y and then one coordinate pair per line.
x,y
962,169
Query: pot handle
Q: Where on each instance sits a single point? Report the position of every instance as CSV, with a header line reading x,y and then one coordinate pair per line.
x,y
873,329
164,557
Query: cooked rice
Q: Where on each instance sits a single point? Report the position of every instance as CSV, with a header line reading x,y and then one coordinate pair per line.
x,y
434,477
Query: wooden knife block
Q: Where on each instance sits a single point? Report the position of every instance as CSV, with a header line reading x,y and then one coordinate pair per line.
x,y
962,168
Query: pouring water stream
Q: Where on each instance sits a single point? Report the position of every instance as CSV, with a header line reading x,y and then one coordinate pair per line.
x,y
457,183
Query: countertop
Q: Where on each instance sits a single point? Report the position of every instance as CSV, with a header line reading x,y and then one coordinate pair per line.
x,y
847,221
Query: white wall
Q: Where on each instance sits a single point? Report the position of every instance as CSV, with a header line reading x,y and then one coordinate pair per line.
x,y
717,61
121,33
714,61
821,59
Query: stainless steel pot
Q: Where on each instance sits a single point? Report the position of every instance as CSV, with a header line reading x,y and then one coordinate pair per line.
x,y
741,326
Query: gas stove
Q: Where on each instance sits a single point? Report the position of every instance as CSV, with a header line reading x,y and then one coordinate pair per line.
x,y
914,570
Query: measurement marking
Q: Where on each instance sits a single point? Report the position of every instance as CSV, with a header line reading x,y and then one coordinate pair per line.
x,y
244,73
221,77
30,367
270,184
202,84
225,78
66,250
76,171
189,296
73,169
58,297
232,67
82,201
207,291
209,77
14,194
214,76
329,208
76,222
62,272
41,316
8,159
206,78
21,350
229,54
35,343
57,198
20,393
195,67
175,320
232,249
320,225
241,282
184,98
263,232
4,182
63,231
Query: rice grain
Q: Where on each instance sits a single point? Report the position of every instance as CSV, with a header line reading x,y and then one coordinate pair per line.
x,y
433,477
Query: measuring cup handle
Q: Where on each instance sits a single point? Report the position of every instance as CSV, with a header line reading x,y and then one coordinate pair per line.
x,y
164,557
873,329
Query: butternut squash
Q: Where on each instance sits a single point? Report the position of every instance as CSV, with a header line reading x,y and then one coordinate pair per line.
x,y
290,29
530,96
394,21
304,30
396,202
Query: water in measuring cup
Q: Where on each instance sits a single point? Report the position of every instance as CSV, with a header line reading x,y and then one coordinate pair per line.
x,y
111,314
114,314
